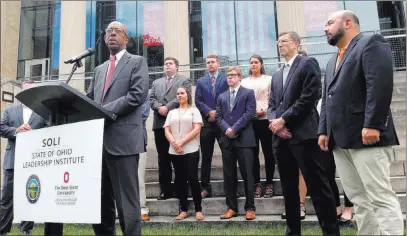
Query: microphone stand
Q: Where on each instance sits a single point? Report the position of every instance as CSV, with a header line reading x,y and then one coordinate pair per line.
x,y
76,65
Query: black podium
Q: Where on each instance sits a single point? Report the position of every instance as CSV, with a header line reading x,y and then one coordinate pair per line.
x,y
60,104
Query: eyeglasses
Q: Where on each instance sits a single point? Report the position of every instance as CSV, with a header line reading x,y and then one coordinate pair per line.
x,y
283,41
118,31
232,75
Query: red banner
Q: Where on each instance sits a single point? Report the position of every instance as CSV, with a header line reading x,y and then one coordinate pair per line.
x,y
153,24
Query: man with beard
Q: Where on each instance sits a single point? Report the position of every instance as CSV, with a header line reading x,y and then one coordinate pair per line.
x,y
356,123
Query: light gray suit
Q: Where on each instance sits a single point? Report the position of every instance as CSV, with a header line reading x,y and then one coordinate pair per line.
x,y
12,119
123,141
161,96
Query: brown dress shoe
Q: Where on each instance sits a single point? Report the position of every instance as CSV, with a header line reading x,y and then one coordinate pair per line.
x,y
199,216
145,217
182,215
250,215
229,214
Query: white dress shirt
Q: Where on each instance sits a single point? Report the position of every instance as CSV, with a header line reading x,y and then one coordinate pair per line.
x,y
26,114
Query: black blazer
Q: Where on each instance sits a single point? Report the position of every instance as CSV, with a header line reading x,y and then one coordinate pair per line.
x,y
358,94
297,101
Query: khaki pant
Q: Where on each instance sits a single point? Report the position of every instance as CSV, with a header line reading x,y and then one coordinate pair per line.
x,y
142,165
365,176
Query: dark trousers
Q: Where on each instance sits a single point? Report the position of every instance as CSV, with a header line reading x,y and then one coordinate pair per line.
x,y
264,135
164,162
305,156
186,172
6,205
330,167
207,140
120,184
244,156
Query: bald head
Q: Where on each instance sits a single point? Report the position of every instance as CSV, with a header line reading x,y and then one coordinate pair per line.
x,y
119,25
116,37
341,26
345,15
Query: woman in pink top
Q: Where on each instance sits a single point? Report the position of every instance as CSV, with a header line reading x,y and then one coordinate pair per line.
x,y
182,128
261,84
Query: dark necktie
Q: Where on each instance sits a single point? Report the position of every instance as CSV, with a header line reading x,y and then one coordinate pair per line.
x,y
213,86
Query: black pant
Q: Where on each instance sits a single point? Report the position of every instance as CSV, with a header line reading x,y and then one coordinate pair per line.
x,y
186,172
264,135
330,166
6,206
306,156
244,156
164,162
207,139
120,183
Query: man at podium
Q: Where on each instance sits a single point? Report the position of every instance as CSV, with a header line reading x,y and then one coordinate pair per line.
x,y
120,85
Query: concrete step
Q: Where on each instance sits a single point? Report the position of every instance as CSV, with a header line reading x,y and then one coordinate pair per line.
x,y
217,206
152,162
151,175
398,105
153,189
215,221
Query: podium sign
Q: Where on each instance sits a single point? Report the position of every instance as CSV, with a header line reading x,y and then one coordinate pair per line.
x,y
58,173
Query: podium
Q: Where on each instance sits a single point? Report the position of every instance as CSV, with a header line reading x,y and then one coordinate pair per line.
x,y
61,104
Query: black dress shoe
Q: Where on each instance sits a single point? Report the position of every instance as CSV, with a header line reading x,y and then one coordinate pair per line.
x,y
345,222
27,233
162,197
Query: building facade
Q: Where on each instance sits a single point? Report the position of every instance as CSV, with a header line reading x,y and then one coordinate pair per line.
x,y
38,36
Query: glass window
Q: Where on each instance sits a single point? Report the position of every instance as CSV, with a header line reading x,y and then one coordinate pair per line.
x,y
233,30
218,31
144,21
256,33
367,14
39,39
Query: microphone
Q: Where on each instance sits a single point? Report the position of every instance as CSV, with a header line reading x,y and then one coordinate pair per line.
x,y
86,53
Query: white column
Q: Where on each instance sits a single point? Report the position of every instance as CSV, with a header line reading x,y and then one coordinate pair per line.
x,y
72,38
176,31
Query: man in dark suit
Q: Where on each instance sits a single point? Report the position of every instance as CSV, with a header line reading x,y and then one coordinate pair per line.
x,y
293,119
121,86
356,123
234,110
208,89
17,118
163,98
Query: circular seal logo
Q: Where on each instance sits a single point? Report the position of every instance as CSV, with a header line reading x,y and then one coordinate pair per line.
x,y
33,188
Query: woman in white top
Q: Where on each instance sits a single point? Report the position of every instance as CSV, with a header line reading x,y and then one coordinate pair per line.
x,y
261,84
182,128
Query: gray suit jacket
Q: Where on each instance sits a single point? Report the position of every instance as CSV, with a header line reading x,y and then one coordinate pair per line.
x,y
127,91
12,119
160,96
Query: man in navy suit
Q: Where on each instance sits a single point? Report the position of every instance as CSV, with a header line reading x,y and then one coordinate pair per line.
x,y
208,88
293,117
235,109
